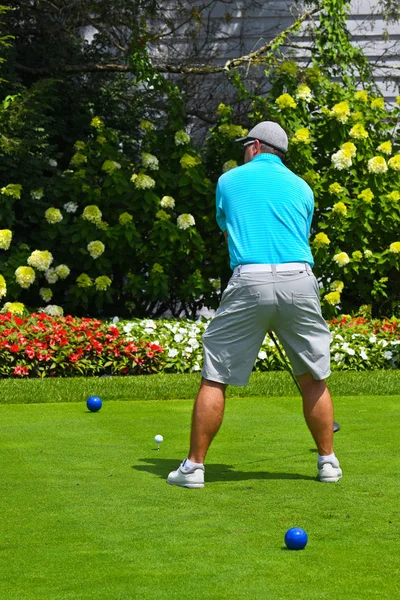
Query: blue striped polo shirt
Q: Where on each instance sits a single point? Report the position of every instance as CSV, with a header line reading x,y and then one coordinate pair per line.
x,y
267,211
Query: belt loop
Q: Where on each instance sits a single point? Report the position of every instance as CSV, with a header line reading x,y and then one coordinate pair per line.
x,y
308,269
273,268
239,268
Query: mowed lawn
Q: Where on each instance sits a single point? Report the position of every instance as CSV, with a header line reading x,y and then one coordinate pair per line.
x,y
86,512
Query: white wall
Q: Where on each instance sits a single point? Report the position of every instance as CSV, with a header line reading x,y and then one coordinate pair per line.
x,y
248,29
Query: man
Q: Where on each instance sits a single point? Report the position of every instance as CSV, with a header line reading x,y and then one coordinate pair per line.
x,y
265,212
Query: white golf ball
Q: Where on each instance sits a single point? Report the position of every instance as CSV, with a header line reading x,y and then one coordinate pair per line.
x,y
158,439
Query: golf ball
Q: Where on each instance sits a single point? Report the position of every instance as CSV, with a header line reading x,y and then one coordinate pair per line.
x,y
296,538
158,439
94,403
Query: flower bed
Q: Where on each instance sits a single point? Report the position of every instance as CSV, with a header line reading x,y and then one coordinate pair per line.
x,y
357,344
41,345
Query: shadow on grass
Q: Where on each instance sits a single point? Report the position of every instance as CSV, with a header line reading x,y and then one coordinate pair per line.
x,y
214,472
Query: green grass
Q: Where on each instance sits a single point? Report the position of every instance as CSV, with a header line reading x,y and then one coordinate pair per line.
x,y
166,387
86,512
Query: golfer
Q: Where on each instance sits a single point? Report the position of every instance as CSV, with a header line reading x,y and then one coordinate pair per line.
x,y
265,212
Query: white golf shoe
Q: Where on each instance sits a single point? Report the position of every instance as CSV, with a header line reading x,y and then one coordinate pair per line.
x,y
188,479
329,471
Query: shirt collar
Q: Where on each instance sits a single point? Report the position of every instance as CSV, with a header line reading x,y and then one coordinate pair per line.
x,y
267,158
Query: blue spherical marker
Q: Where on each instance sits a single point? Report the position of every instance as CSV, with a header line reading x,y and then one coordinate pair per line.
x,y
296,538
94,403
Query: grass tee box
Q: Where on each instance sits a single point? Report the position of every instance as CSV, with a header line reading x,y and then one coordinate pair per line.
x,y
87,513
164,387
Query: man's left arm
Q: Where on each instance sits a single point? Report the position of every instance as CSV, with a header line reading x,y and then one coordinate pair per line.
x,y
220,215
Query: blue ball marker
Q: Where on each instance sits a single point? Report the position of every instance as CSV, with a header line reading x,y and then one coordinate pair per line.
x,y
296,538
94,403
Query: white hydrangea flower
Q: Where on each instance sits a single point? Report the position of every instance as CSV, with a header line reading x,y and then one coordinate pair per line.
x,y
3,287
303,92
5,239
142,181
181,138
167,202
262,355
53,310
51,276
53,215
46,294
62,271
185,221
388,355
70,207
25,276
341,160
172,353
150,161
95,249
92,213
40,259
342,259
377,165
37,194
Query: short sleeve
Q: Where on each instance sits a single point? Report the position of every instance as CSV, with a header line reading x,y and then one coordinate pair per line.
x,y
220,215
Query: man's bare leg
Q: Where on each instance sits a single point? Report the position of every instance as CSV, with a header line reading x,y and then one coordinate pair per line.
x,y
208,412
318,412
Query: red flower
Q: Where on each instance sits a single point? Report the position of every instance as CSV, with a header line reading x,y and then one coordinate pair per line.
x,y
14,348
41,356
29,351
73,357
156,348
98,347
18,370
130,348
150,355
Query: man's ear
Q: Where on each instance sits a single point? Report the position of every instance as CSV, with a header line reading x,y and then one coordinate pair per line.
x,y
255,147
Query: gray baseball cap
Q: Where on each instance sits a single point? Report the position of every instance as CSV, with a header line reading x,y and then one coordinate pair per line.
x,y
268,132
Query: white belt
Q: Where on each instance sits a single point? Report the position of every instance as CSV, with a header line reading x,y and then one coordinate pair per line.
x,y
258,268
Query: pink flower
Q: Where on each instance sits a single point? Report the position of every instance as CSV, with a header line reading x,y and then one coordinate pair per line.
x,y
18,370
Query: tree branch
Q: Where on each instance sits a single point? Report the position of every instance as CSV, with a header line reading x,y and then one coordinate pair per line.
x,y
202,69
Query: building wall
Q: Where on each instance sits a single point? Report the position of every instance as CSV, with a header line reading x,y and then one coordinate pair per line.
x,y
238,28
